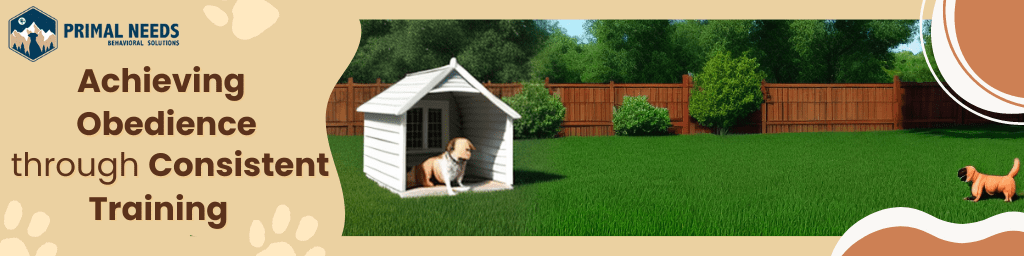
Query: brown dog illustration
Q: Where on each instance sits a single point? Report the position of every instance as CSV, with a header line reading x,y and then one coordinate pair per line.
x,y
990,184
446,168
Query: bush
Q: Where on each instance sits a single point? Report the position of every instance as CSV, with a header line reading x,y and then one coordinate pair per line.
x,y
542,113
727,91
638,117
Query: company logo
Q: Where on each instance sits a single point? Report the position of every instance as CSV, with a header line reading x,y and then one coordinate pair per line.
x,y
32,34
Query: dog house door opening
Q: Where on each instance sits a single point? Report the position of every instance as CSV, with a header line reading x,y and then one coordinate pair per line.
x,y
426,131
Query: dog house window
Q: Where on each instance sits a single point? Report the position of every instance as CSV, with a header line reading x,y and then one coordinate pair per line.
x,y
426,124
434,128
414,128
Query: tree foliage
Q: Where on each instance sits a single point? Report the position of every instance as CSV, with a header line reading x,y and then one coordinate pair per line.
x,y
798,51
697,40
847,51
726,91
913,67
497,50
559,59
910,67
633,51
927,34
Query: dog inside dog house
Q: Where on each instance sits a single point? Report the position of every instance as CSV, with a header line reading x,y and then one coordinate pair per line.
x,y
415,118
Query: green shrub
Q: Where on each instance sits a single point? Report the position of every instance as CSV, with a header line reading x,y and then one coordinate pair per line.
x,y
638,117
542,113
727,91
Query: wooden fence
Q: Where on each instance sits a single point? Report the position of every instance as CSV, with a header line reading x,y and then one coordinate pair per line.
x,y
787,107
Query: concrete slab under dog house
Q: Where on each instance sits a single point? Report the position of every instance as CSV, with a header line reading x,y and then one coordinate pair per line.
x,y
413,120
473,186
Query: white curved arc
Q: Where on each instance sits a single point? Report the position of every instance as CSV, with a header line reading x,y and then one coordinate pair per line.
x,y
938,4
954,39
913,218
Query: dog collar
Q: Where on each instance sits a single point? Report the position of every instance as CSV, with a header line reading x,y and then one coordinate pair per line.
x,y
448,154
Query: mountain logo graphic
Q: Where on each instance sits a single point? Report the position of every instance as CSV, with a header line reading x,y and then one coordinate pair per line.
x,y
32,34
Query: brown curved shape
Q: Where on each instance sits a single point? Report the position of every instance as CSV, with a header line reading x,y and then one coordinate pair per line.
x,y
977,34
992,50
912,241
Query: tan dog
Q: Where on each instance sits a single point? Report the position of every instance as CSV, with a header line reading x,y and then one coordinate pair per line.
x,y
446,168
990,184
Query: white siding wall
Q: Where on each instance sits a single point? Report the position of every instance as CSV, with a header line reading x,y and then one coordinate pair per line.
x,y
488,128
384,150
454,83
508,139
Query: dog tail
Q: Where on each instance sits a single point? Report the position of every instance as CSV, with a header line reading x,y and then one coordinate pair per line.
x,y
1016,166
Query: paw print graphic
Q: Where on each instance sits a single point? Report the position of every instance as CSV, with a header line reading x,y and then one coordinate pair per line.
x,y
282,217
251,17
36,227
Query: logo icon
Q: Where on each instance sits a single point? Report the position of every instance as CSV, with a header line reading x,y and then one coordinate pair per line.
x,y
32,34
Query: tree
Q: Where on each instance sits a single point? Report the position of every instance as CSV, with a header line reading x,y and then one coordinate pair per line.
x,y
847,51
726,91
559,59
497,50
910,67
696,40
771,47
632,51
797,51
927,31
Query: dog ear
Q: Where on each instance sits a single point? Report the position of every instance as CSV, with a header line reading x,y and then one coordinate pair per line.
x,y
962,173
451,144
471,147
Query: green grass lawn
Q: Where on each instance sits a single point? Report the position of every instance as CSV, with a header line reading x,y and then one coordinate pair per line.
x,y
797,184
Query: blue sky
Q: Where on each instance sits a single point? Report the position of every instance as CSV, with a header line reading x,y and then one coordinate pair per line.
x,y
575,28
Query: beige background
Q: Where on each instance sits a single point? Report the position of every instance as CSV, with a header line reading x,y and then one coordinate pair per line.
x,y
289,71
285,93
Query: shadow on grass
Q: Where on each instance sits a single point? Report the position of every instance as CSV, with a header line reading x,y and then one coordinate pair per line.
x,y
991,131
997,197
986,197
526,177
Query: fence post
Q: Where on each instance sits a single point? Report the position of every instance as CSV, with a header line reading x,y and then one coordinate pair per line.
x,y
764,107
897,117
488,87
611,93
687,84
611,86
350,108
546,81
828,112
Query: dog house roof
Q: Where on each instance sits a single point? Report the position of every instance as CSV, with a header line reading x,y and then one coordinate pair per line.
x,y
401,96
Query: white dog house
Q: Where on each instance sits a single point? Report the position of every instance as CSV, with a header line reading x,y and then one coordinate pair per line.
x,y
414,119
